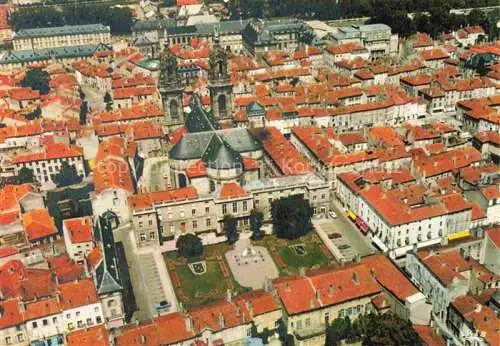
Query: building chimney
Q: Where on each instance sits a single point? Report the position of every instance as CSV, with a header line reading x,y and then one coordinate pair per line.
x,y
355,278
478,308
22,307
229,295
189,323
221,320
143,339
249,308
318,295
330,290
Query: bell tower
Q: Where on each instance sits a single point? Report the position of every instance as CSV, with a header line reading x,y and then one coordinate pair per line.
x,y
171,88
219,82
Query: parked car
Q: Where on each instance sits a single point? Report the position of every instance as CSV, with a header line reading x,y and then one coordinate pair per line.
x,y
344,247
332,214
335,236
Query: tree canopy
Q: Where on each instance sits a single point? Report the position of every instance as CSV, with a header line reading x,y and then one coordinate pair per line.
x,y
25,175
291,217
35,114
84,109
189,245
230,229
118,18
373,329
36,79
256,218
67,176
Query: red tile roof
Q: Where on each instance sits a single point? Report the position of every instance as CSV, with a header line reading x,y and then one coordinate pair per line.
x,y
77,293
299,294
11,314
16,280
112,169
95,336
65,269
446,266
284,155
389,276
481,317
38,224
429,336
231,191
434,54
147,200
429,166
42,308
196,170
79,229
50,152
493,233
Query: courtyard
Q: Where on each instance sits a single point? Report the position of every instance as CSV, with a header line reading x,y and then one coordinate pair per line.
x,y
199,281
243,266
290,256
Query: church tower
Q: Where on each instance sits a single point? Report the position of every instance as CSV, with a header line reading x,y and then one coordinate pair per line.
x,y
171,88
219,82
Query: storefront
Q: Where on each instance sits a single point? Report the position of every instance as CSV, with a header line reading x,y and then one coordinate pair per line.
x,y
362,225
351,215
459,235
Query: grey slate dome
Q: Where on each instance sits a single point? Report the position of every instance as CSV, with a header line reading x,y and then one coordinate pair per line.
x,y
219,155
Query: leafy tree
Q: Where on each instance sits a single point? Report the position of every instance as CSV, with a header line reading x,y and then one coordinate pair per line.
x,y
119,19
421,21
338,330
81,94
36,79
84,109
35,114
108,100
25,175
481,67
67,176
291,217
373,329
256,218
230,229
189,245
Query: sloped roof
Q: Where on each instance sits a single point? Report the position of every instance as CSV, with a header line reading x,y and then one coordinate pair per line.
x,y
107,274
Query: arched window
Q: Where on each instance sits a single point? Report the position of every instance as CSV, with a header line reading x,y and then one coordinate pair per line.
x,y
222,105
220,68
174,109
182,180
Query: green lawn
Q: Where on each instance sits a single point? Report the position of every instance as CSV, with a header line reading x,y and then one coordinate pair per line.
x,y
291,261
195,290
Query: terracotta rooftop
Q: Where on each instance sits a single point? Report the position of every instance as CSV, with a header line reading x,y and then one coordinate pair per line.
x,y
38,224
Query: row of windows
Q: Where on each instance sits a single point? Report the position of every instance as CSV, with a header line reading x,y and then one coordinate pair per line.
x,y
90,322
9,339
234,207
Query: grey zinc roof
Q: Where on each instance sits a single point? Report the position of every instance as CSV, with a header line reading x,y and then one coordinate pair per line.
x,y
21,56
374,27
220,155
198,120
149,64
153,24
107,274
207,29
191,146
240,139
62,30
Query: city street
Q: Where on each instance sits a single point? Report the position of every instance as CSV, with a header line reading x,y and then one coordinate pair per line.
x,y
351,235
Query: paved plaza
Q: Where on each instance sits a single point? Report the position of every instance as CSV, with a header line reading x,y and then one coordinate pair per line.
x,y
251,265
